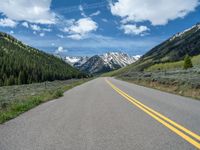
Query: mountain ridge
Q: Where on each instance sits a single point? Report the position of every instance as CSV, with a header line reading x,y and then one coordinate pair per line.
x,y
102,63
173,49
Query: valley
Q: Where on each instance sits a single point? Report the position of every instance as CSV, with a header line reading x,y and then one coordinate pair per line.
x,y
99,74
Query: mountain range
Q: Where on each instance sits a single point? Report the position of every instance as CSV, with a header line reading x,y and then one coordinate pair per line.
x,y
102,63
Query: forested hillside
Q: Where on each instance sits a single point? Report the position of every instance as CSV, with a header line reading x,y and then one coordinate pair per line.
x,y
21,64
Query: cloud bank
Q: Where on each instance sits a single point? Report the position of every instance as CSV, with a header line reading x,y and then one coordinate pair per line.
x,y
34,11
6,22
158,12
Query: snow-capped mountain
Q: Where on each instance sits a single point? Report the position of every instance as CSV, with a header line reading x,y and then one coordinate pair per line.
x,y
136,57
113,59
76,61
194,28
107,62
102,63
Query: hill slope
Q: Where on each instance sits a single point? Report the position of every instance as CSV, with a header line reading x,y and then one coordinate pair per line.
x,y
171,50
175,48
21,64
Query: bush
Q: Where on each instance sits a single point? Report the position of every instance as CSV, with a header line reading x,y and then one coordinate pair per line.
x,y
57,94
187,62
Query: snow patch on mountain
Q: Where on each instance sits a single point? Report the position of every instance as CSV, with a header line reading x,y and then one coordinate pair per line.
x,y
72,60
117,58
76,61
181,34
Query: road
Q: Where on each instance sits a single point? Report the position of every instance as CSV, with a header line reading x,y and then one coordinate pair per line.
x,y
107,114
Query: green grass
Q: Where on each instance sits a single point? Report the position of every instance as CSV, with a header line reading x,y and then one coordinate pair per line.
x,y
112,73
15,107
173,65
157,67
117,72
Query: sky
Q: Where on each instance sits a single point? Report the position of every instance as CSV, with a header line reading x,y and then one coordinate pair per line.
x,y
90,27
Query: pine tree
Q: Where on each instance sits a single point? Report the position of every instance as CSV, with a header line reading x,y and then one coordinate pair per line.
x,y
21,77
187,62
21,64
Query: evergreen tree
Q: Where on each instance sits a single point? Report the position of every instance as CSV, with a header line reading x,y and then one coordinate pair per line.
x,y
21,64
187,62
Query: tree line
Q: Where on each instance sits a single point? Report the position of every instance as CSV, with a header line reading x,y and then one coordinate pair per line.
x,y
21,64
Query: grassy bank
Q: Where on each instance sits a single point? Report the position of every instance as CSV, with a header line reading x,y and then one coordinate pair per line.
x,y
173,65
14,100
180,82
183,90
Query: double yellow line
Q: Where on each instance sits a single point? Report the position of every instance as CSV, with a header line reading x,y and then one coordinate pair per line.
x,y
183,132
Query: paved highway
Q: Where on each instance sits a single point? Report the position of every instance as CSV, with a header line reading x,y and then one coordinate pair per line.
x,y
107,114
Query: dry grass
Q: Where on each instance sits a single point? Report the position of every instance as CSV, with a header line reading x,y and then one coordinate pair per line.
x,y
183,90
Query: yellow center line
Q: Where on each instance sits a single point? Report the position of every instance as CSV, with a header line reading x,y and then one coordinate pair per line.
x,y
161,118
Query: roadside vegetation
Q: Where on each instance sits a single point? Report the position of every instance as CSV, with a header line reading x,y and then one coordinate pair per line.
x,y
173,65
180,81
180,77
14,100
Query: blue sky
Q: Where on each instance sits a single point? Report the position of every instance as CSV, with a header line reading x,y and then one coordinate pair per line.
x,y
89,27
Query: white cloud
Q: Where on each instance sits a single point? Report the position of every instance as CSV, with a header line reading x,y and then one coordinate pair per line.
x,y
95,13
60,49
133,29
79,29
34,11
42,34
25,24
60,36
6,22
158,12
104,20
47,29
80,7
75,36
11,32
82,11
34,32
35,27
83,26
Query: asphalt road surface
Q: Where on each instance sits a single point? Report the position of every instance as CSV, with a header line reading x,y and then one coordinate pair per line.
x,y
107,115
